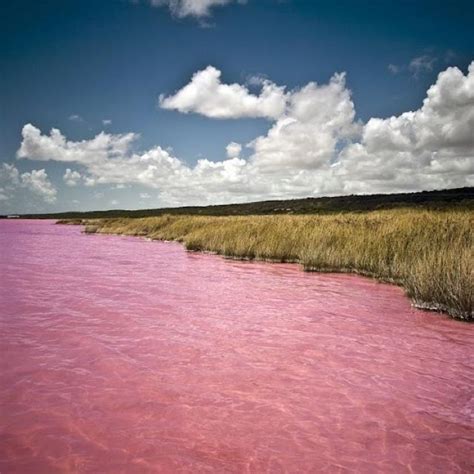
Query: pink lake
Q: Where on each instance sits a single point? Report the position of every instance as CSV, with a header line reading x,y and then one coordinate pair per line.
x,y
121,355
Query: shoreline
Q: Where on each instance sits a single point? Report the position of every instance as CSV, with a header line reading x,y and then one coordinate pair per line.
x,y
426,253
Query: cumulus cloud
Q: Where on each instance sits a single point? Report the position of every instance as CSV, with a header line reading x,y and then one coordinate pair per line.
x,y
205,94
430,147
256,79
317,119
72,178
233,150
55,147
108,158
9,176
37,182
9,180
195,8
313,147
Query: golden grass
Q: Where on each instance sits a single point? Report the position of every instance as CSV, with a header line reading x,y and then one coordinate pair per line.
x,y
429,253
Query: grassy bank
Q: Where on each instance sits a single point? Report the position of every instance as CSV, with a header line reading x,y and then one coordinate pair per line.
x,y
429,253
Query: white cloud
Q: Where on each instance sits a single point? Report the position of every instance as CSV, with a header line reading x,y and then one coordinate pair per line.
x,y
108,158
106,122
195,8
37,181
205,94
256,80
55,146
75,118
71,178
314,147
422,64
145,196
432,147
13,184
393,68
233,150
9,177
9,180
318,117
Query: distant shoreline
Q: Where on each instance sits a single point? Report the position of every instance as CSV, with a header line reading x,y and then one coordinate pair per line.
x,y
435,200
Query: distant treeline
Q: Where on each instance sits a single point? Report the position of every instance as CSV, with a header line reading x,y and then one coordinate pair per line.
x,y
445,199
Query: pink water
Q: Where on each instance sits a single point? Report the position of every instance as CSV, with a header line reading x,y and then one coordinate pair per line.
x,y
120,355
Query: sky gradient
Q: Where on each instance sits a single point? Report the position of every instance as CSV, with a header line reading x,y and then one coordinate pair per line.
x,y
158,103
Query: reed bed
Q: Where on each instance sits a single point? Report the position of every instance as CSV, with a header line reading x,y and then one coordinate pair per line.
x,y
428,253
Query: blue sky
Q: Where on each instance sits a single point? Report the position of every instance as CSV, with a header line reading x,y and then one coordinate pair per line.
x,y
85,67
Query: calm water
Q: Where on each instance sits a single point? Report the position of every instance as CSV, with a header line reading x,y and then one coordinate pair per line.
x,y
120,355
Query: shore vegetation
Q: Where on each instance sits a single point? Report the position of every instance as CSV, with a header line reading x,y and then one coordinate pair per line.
x,y
427,252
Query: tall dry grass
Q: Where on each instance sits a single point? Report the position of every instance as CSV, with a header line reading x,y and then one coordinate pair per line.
x,y
429,253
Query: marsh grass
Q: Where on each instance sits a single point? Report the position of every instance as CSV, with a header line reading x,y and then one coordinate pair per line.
x,y
429,253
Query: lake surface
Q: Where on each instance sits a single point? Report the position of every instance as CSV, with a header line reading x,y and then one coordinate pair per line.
x,y
121,355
